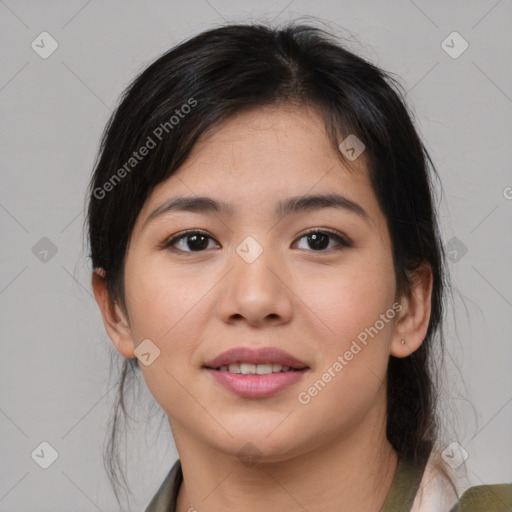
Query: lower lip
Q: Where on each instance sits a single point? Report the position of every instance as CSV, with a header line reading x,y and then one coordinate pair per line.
x,y
256,386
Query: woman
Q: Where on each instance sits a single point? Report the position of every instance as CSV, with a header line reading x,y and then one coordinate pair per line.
x,y
263,239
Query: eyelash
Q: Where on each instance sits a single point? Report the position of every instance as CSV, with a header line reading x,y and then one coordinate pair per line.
x,y
342,241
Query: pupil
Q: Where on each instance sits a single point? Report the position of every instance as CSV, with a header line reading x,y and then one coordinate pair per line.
x,y
192,242
315,238
198,242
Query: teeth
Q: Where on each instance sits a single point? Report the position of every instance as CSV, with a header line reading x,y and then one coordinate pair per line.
x,y
248,369
255,369
263,369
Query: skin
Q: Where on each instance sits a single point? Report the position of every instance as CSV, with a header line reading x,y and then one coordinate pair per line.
x,y
332,452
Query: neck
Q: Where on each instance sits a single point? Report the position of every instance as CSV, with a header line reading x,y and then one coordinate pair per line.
x,y
352,472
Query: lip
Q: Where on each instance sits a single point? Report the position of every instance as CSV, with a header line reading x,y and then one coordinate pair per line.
x,y
255,356
256,386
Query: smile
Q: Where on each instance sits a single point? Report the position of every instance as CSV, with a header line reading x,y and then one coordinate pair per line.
x,y
246,383
255,369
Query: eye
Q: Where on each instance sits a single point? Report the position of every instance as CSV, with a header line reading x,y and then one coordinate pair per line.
x,y
197,241
319,239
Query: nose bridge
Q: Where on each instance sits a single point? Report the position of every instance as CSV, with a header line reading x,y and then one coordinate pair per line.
x,y
253,289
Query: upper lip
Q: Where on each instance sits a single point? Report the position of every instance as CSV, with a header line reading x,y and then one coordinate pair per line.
x,y
255,356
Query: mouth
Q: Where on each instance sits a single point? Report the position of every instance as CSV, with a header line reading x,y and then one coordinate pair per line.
x,y
256,373
256,369
261,361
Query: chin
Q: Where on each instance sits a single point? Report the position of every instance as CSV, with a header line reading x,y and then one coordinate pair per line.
x,y
263,448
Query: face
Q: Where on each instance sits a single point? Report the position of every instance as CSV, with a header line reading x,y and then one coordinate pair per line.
x,y
316,282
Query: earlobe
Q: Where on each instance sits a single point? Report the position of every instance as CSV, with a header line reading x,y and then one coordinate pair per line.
x,y
114,319
414,317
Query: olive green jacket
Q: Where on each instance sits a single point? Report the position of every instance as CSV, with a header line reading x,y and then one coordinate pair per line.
x,y
481,498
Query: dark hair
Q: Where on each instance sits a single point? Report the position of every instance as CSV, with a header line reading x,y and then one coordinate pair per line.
x,y
227,70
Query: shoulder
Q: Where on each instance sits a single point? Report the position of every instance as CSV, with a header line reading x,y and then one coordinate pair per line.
x,y
485,498
440,490
167,494
437,492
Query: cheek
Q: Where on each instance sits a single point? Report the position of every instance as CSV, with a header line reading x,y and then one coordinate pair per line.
x,y
351,372
353,341
343,302
170,311
345,400
165,303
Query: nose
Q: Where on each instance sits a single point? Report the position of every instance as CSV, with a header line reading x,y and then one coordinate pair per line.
x,y
256,292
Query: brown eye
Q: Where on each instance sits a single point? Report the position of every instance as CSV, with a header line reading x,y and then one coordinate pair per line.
x,y
189,241
319,240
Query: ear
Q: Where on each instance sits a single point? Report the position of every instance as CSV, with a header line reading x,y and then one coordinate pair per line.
x,y
414,317
116,323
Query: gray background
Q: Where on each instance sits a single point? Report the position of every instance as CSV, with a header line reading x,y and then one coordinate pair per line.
x,y
55,357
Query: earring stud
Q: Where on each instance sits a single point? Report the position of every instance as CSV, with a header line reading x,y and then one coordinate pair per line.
x,y
403,342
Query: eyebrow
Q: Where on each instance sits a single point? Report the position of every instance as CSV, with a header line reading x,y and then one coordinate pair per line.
x,y
292,205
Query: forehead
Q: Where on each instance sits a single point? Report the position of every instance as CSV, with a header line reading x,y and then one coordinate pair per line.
x,y
260,134
256,159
